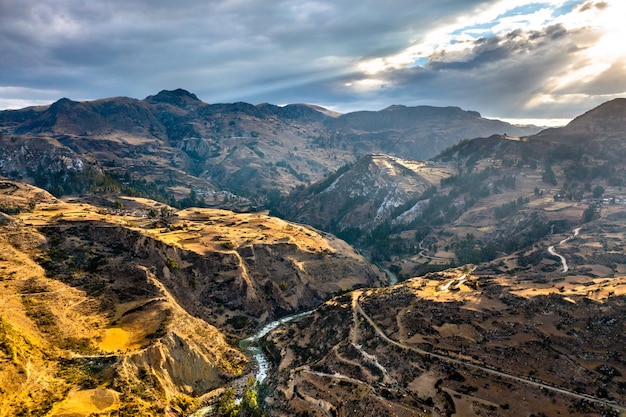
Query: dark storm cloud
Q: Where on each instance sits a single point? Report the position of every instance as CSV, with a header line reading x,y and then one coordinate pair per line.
x,y
259,51
141,46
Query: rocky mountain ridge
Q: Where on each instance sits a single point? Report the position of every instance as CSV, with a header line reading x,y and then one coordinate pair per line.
x,y
363,195
476,199
186,144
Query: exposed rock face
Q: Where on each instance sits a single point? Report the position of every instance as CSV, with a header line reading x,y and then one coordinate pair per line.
x,y
364,195
253,283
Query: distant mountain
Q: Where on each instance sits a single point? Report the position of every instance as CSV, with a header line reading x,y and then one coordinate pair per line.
x,y
183,144
599,132
477,199
415,132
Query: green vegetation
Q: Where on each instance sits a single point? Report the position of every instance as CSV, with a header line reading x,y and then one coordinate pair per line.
x,y
289,168
591,213
15,209
140,394
6,345
439,208
62,181
82,345
511,207
598,190
86,373
183,404
249,406
171,263
238,322
548,176
326,182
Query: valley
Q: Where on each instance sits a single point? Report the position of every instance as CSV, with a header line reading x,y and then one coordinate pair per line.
x,y
488,280
128,302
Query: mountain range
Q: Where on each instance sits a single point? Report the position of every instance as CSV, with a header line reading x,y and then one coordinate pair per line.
x,y
184,144
486,280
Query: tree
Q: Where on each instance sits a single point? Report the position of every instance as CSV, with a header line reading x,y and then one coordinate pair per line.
x,y
227,405
250,402
598,190
591,213
548,175
249,406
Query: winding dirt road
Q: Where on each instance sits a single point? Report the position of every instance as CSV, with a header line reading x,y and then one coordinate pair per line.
x,y
471,365
552,252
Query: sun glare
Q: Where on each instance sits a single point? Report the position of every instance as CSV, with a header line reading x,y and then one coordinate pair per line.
x,y
596,28
602,50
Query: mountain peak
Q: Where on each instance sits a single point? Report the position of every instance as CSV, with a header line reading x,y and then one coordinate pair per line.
x,y
176,97
606,116
62,103
394,107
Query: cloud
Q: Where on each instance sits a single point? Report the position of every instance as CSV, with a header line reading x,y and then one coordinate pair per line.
x,y
609,82
498,48
543,60
491,56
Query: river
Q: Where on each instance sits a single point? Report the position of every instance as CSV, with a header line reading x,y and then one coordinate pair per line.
x,y
251,347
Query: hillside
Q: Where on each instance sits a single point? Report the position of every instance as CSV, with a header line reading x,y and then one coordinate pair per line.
x,y
115,308
457,343
478,200
363,195
181,144
523,314
418,133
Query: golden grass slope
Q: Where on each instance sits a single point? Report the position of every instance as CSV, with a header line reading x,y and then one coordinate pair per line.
x,y
61,350
96,301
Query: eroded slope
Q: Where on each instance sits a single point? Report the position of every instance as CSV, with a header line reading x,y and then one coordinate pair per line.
x,y
109,310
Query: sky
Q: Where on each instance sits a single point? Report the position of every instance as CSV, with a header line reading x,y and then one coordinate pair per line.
x,y
522,61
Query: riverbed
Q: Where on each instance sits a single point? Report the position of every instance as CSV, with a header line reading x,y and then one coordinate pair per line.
x,y
251,347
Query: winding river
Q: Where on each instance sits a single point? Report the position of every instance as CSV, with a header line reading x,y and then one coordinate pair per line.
x,y
251,347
